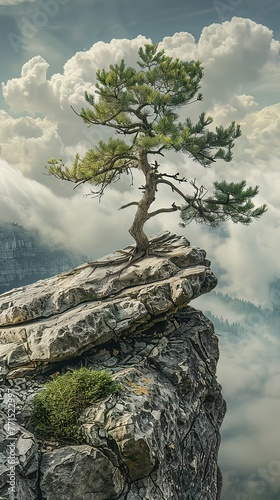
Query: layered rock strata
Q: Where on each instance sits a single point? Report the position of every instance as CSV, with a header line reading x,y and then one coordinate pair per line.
x,y
158,436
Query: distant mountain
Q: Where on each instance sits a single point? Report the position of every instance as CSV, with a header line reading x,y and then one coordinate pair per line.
x,y
239,318
25,259
248,371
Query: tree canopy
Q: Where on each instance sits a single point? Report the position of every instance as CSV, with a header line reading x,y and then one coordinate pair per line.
x,y
141,106
274,293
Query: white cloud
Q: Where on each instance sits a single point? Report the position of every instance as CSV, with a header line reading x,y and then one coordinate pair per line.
x,y
249,372
26,142
261,132
34,93
79,222
234,54
240,106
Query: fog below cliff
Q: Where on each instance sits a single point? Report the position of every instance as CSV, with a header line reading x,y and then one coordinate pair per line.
x,y
248,371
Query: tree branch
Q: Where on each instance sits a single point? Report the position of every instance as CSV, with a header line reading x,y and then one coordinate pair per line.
x,y
174,208
131,128
158,152
129,204
174,176
79,182
188,199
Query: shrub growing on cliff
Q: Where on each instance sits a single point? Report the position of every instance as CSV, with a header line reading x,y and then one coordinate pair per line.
x,y
142,105
57,408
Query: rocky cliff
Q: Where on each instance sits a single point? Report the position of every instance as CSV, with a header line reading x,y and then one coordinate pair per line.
x,y
157,437
24,259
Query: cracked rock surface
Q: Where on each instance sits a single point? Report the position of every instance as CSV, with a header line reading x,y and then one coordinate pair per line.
x,y
62,317
157,438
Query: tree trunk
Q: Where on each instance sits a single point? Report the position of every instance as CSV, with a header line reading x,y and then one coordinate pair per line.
x,y
141,216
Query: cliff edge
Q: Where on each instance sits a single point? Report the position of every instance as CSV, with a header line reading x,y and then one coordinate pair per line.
x,y
157,437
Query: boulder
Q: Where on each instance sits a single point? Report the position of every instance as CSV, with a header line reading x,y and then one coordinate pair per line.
x,y
158,435
62,317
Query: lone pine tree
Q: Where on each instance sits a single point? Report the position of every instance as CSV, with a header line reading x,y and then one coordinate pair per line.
x,y
141,105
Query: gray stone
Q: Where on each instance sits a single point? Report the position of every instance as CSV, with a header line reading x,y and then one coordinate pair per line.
x,y
18,459
157,437
62,317
79,472
164,421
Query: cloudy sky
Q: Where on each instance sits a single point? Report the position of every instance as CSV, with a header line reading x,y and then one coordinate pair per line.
x,y
50,50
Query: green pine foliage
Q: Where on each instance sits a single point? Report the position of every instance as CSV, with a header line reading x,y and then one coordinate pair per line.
x,y
229,201
274,294
141,105
58,406
222,325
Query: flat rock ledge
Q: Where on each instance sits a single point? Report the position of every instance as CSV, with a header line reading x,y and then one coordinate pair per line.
x,y
62,317
158,436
